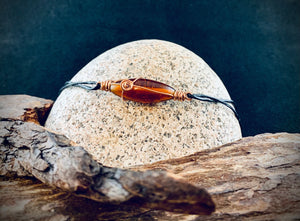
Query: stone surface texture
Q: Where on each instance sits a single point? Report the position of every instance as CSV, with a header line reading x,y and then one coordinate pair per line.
x,y
125,133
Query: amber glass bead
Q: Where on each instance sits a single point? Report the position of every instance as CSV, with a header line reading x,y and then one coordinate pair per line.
x,y
142,90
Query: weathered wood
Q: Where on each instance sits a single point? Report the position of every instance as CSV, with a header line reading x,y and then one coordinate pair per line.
x,y
29,199
28,149
25,108
255,178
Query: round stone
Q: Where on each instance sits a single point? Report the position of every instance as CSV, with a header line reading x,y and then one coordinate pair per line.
x,y
125,133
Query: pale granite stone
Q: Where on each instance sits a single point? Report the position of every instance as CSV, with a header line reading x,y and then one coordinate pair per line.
x,y
125,133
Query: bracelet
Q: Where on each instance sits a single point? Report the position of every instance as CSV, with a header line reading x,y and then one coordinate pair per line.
x,y
146,91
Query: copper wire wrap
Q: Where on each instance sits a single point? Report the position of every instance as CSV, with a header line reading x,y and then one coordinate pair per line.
x,y
105,85
180,96
127,85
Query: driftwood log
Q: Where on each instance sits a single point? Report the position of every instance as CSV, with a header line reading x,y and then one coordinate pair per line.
x,y
45,177
255,178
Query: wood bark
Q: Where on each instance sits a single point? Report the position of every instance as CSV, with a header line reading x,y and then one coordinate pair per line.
x,y
30,199
24,107
255,178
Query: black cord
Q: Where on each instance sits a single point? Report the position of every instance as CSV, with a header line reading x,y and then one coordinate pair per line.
x,y
83,85
202,97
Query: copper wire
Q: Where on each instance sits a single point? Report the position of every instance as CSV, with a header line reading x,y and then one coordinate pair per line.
x,y
105,85
126,85
180,96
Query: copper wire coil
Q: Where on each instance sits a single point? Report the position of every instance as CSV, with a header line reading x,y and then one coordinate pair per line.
x,y
127,84
105,85
180,96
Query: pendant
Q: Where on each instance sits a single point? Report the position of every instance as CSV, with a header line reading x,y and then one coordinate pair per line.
x,y
140,90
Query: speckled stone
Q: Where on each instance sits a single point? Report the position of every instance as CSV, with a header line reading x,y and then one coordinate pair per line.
x,y
125,133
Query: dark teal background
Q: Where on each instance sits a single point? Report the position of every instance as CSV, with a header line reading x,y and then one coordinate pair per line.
x,y
253,45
